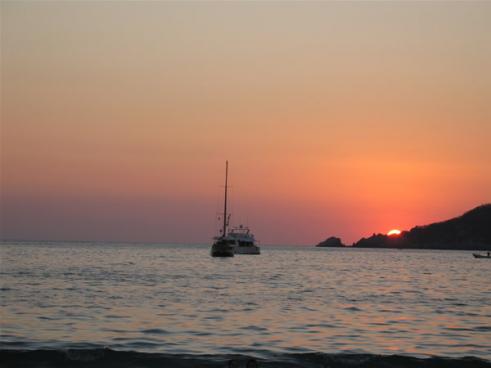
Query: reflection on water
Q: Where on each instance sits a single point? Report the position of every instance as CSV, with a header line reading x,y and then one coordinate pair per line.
x,y
178,299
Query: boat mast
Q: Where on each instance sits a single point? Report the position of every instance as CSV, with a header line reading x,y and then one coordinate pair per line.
x,y
224,231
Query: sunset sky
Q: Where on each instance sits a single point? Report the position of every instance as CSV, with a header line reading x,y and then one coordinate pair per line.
x,y
337,118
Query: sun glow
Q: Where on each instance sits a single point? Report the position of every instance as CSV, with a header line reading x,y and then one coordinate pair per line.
x,y
394,232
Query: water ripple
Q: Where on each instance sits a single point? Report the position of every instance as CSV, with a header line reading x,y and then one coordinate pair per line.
x,y
172,299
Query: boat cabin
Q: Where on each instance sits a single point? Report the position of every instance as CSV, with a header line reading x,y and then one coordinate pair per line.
x,y
242,236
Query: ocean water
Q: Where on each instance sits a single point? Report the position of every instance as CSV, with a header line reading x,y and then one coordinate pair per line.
x,y
145,304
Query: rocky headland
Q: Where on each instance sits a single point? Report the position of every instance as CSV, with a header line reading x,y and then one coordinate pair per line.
x,y
471,231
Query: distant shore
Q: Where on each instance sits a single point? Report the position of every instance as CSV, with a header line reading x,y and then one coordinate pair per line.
x,y
471,231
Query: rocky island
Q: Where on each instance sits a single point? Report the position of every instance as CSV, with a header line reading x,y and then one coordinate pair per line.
x,y
331,242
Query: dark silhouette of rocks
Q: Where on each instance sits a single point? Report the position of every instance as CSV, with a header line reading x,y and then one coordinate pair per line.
x,y
471,231
331,242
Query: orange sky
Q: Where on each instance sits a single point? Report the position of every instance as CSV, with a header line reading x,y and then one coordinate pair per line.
x,y
337,118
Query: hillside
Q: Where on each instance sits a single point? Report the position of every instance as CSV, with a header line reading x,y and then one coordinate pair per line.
x,y
471,231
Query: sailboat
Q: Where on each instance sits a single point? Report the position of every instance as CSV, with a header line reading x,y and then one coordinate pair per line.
x,y
222,247
239,240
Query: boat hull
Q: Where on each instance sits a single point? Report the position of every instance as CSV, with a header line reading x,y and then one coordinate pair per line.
x,y
480,256
221,250
247,250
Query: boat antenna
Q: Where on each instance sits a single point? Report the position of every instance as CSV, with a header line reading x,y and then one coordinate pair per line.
x,y
224,232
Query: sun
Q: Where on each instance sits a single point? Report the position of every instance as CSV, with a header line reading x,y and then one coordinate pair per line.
x,y
394,232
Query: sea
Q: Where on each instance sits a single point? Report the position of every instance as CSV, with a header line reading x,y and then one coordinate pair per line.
x,y
100,304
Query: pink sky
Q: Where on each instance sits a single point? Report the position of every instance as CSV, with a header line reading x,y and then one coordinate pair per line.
x,y
337,118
